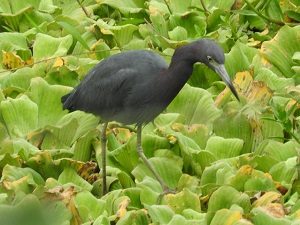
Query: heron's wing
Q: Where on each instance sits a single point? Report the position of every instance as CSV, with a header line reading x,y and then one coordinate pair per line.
x,y
102,95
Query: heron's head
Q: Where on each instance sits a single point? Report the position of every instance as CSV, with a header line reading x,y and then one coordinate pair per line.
x,y
212,55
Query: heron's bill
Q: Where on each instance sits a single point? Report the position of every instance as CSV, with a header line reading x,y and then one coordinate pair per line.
x,y
220,69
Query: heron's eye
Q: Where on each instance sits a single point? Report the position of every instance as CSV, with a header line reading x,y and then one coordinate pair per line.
x,y
210,59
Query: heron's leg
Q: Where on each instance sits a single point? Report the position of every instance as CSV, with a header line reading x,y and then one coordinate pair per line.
x,y
146,161
103,154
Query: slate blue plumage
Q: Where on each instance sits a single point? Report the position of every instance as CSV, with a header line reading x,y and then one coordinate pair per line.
x,y
110,88
134,87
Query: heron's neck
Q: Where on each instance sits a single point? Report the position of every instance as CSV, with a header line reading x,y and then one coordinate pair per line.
x,y
184,55
178,73
181,66
175,78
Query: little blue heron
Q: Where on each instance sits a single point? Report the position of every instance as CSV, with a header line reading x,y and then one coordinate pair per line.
x,y
134,87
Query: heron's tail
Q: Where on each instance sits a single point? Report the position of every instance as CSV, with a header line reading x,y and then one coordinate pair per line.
x,y
67,101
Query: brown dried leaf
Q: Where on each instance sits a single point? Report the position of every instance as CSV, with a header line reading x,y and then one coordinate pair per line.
x,y
259,93
88,171
282,189
267,198
59,193
10,185
241,82
238,4
252,91
172,139
153,10
274,209
122,134
246,170
123,208
59,62
67,196
292,106
11,60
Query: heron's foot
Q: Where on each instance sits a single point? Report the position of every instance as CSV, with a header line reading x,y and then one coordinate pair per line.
x,y
166,190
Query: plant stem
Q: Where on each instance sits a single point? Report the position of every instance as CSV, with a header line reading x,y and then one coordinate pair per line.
x,y
83,8
206,11
295,137
263,16
170,11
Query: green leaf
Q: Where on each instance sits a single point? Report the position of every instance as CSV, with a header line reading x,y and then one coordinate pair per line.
x,y
224,148
224,198
279,51
20,115
192,22
226,216
13,42
249,179
88,206
20,180
178,6
193,215
160,213
19,80
274,82
72,8
239,58
68,129
151,143
286,171
20,147
274,11
75,34
7,159
259,181
125,157
178,34
126,6
102,220
196,105
235,125
22,212
188,148
122,34
204,158
150,190
47,97
293,15
43,163
83,146
277,150
189,182
178,219
159,23
69,176
46,46
183,200
215,175
197,132
262,217
168,171
219,4
139,217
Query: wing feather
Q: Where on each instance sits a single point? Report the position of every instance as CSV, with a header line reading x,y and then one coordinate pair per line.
x,y
102,95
